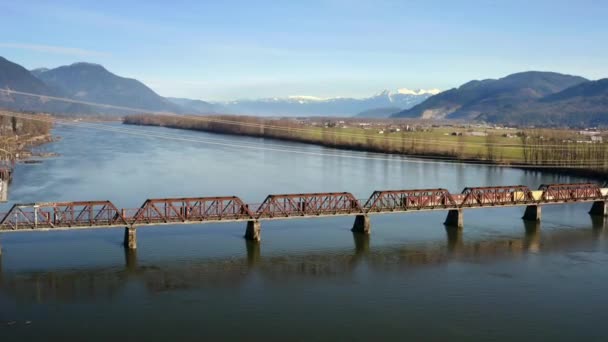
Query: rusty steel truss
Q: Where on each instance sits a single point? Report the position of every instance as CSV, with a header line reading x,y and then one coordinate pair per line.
x,y
61,215
571,192
316,204
175,210
403,200
496,196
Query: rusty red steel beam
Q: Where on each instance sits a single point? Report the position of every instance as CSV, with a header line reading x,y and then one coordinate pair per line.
x,y
403,200
62,215
570,192
199,209
312,204
496,195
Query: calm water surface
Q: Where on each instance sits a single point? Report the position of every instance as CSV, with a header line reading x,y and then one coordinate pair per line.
x,y
308,279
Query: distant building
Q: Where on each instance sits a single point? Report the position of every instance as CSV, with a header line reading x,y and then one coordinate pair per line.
x,y
591,133
478,134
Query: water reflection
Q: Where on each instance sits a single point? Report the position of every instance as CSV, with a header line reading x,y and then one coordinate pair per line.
x,y
253,252
454,235
532,239
599,224
93,283
131,260
362,243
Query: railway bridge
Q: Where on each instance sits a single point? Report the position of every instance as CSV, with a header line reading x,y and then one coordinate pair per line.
x,y
196,210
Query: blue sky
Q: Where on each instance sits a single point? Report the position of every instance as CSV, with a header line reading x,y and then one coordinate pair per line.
x,y
220,50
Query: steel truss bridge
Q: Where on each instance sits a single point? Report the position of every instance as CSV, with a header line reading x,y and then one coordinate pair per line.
x,y
197,210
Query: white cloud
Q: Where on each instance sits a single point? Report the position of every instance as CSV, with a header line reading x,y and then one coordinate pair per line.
x,y
62,50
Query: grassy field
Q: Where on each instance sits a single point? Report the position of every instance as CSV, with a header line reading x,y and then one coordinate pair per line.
x,y
543,147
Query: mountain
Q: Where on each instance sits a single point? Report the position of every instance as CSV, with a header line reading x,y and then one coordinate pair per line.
x,y
378,113
93,83
16,78
196,106
583,105
492,96
89,82
38,71
339,106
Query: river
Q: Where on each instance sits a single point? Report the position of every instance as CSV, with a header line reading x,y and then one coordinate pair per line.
x,y
307,279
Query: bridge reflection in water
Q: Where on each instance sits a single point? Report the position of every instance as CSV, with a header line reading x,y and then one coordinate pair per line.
x,y
108,282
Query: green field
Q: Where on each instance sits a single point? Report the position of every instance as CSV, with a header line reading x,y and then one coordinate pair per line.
x,y
546,147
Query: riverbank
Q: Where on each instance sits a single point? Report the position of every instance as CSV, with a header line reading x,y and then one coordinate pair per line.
x,y
18,136
546,150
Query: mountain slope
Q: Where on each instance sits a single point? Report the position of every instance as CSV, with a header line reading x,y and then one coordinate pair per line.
x,y
191,106
491,97
378,113
17,78
583,105
93,83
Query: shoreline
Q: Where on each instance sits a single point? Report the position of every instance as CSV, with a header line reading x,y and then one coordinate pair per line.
x,y
24,150
565,171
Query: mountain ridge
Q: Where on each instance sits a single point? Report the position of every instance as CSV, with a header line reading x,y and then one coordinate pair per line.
x,y
94,83
317,106
477,97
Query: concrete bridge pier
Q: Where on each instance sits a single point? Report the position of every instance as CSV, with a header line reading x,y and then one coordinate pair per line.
x,y
253,231
599,208
130,241
532,213
454,218
362,225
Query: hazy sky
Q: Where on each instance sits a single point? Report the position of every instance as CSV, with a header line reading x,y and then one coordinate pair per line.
x,y
222,49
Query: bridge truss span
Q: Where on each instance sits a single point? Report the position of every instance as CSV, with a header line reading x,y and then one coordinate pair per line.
x,y
313,204
195,209
496,196
404,200
558,193
63,215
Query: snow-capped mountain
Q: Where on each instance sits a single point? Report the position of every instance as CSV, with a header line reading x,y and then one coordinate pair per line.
x,y
328,106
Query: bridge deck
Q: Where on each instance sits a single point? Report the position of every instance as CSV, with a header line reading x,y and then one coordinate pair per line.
x,y
169,211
